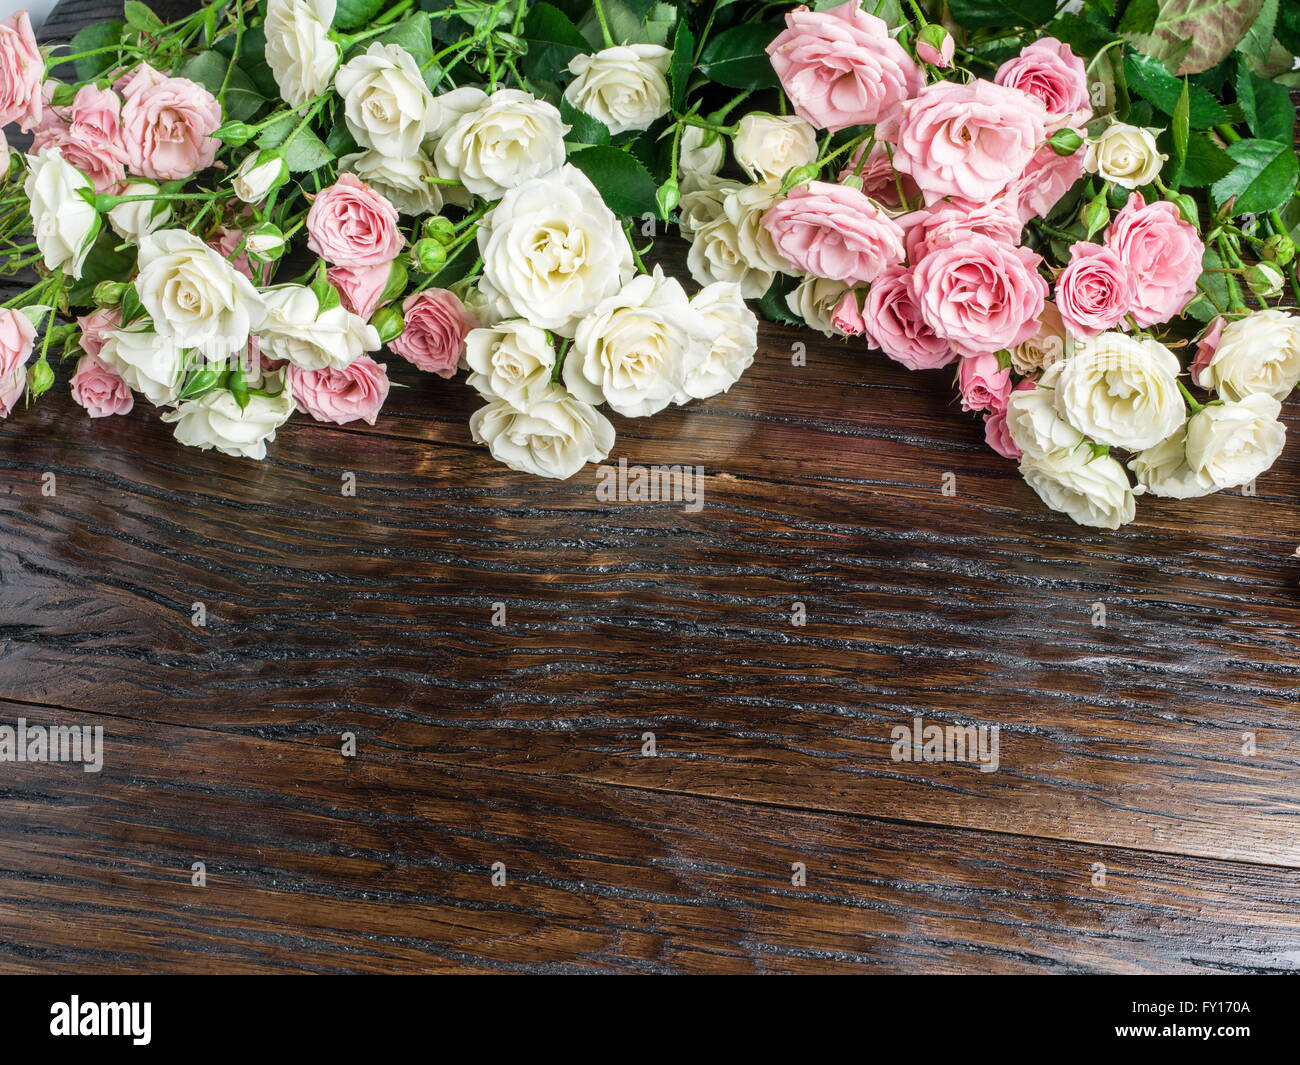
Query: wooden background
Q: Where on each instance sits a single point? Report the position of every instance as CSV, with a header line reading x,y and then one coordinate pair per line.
x,y
1126,830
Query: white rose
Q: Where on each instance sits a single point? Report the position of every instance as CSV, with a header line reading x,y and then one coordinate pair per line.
x,y
135,221
1163,470
715,255
400,181
700,152
556,437
64,224
1233,442
702,204
299,51
1120,390
259,175
194,296
1092,490
814,300
1258,353
508,139
625,87
735,340
386,104
149,364
6,155
633,351
216,420
745,208
511,361
769,145
1126,155
1034,424
551,251
297,329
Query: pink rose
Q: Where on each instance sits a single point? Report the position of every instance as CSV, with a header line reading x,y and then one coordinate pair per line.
x,y
167,126
350,224
998,436
360,287
21,72
846,319
968,140
138,80
96,327
981,294
434,337
835,232
1205,349
17,336
984,383
1048,70
353,393
99,388
1163,253
12,386
879,180
894,324
1095,291
940,57
951,222
89,136
1046,179
841,68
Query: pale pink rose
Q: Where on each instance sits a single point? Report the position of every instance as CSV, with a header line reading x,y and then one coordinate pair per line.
x,y
12,387
984,383
1205,349
841,68
100,389
846,319
1095,291
879,180
998,436
167,127
360,287
354,393
96,327
350,224
1162,251
436,326
224,242
894,324
102,164
835,232
940,57
136,81
953,221
1048,70
1046,179
88,133
21,72
981,294
16,339
970,140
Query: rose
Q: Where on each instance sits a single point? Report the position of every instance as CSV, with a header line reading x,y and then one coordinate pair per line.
x,y
509,138
216,420
969,140
715,256
1258,353
634,350
136,219
998,437
745,208
99,388
1033,423
551,251
1050,71
1119,390
1162,252
11,391
895,326
701,152
703,202
879,179
625,87
437,324
846,319
766,146
981,295
556,437
148,363
1163,470
1126,155
815,300
512,361
17,335
1045,347
299,51
353,393
731,351
350,224
935,45
360,287
1047,178
984,383
96,326
402,182
63,223
1095,291
835,232
841,67
90,137
167,127
312,337
21,72
1233,442
386,104
949,222
1092,490
260,174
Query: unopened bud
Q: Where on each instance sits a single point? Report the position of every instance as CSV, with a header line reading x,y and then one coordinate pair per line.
x,y
396,285
259,175
108,293
234,133
1279,248
1065,141
1265,279
428,255
1096,216
935,45
436,227
388,323
39,378
798,175
265,243
668,196
1186,207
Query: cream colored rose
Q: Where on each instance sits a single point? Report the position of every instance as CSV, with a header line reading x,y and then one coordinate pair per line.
x,y
512,361
1233,442
1121,390
1045,347
1126,155
1035,426
149,364
551,251
1092,490
703,203
1258,353
769,145
508,139
700,153
312,338
814,300
1163,470
260,174
556,437
194,296
63,223
633,350
400,181
625,87
715,255
216,420
299,51
386,104
136,220
731,350
744,209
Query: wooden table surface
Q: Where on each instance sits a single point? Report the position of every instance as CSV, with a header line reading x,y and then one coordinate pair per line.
x,y
1126,829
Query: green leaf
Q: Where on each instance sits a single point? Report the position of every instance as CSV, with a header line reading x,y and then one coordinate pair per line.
x,y
1266,106
240,100
1180,131
552,41
683,61
103,263
1263,179
773,305
737,58
623,182
414,34
141,17
351,14
1083,34
1201,308
306,151
252,60
975,14
1139,17
1198,34
1205,164
1258,41
584,129
96,35
1149,79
